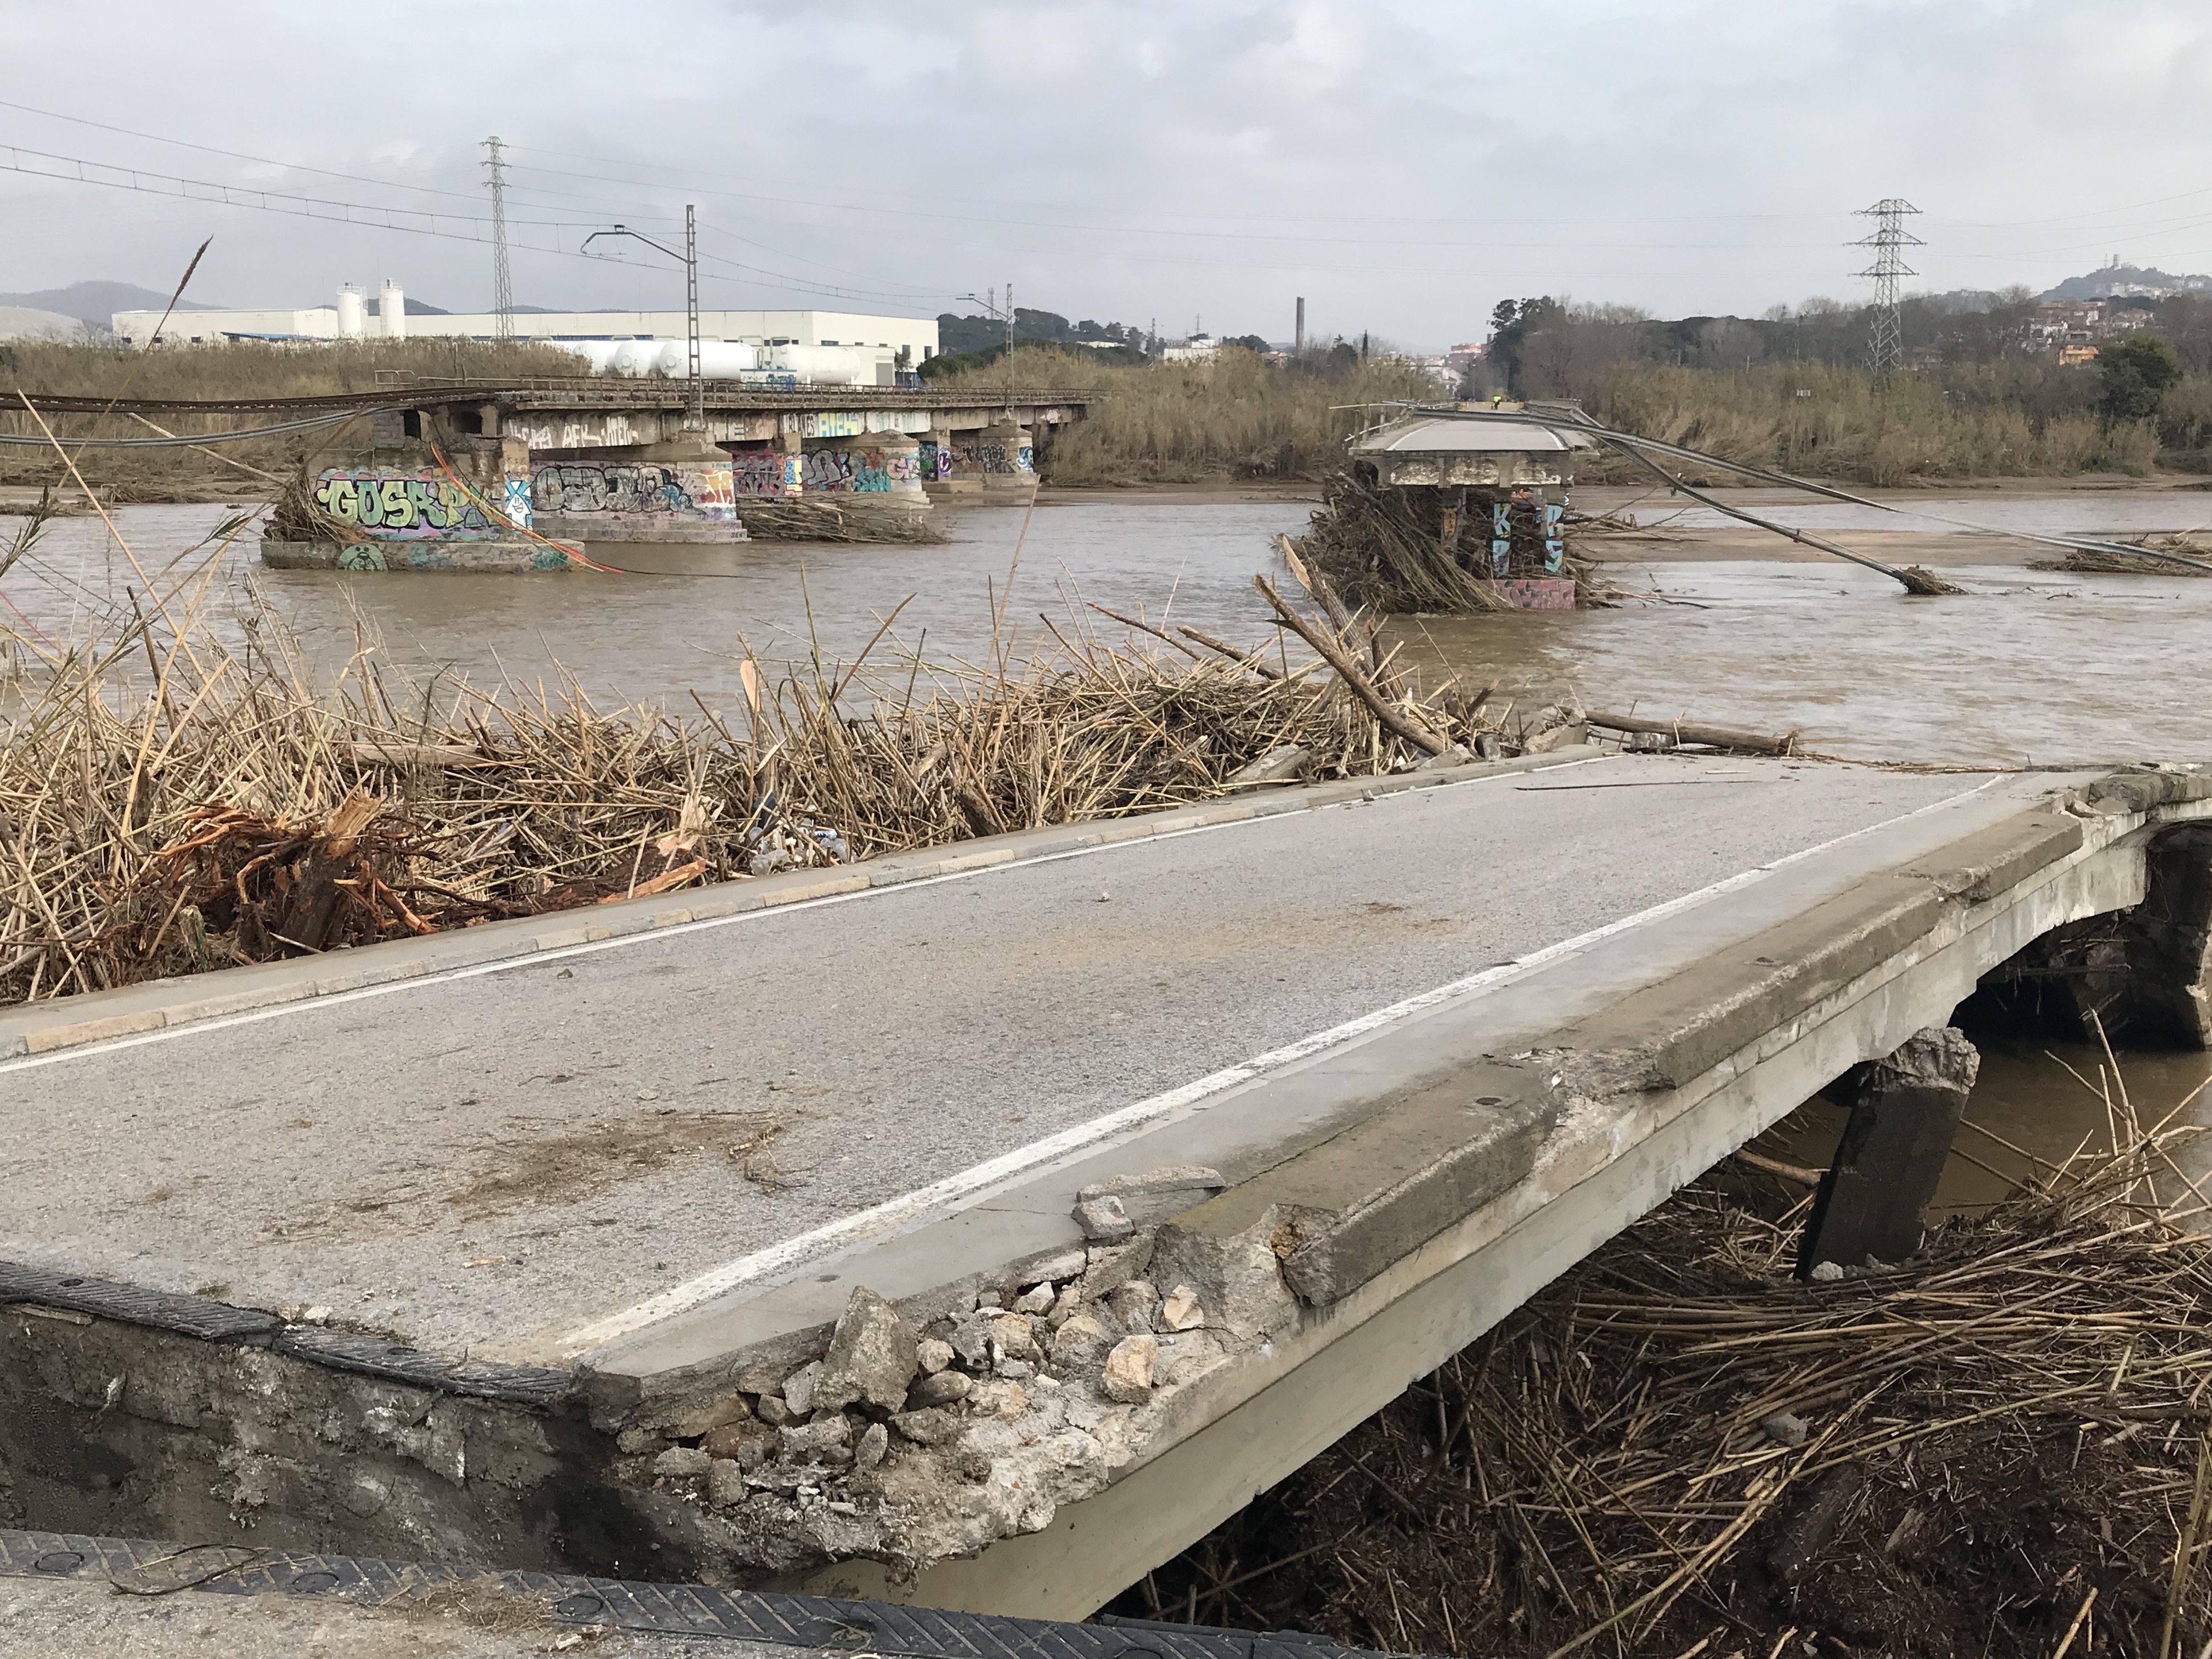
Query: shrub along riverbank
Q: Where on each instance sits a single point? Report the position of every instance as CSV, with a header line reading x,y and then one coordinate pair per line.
x,y
1237,416
1975,420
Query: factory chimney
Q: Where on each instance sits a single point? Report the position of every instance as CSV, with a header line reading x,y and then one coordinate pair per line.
x,y
1298,346
392,310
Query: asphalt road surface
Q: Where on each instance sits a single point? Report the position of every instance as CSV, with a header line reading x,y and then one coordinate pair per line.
x,y
484,1160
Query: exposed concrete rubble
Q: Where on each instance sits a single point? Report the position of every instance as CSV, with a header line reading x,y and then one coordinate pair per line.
x,y
910,1441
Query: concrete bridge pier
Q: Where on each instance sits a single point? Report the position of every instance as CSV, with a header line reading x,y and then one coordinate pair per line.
x,y
793,447
1906,1108
902,465
1008,461
2166,992
2142,974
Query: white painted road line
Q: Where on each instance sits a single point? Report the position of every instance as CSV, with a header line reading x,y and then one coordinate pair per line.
x,y
977,1181
655,935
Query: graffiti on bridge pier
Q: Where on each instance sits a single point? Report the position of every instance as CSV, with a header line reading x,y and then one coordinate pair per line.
x,y
410,505
857,472
755,472
633,488
987,456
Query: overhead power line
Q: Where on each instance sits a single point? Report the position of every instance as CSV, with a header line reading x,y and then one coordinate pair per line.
x,y
452,227
71,169
599,209
235,154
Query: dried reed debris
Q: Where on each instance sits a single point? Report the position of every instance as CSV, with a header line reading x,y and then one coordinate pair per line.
x,y
168,805
1386,550
1679,1448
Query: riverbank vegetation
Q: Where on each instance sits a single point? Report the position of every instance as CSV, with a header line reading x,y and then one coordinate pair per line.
x,y
1680,1448
180,794
1236,416
1964,411
1982,395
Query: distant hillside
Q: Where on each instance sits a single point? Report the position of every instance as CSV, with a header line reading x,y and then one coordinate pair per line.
x,y
2122,280
1959,302
93,303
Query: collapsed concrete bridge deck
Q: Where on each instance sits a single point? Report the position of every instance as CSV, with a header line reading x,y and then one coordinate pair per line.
x,y
603,1242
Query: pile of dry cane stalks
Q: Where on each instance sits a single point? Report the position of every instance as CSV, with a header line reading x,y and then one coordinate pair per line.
x,y
2193,544
169,803
1679,1450
1386,549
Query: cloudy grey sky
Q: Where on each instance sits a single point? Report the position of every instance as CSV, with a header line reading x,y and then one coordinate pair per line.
x,y
1402,164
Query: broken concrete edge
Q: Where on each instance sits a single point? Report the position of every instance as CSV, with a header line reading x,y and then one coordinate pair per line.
x,y
102,1016
210,1321
1678,1036
1685,1025
587,1604
2139,790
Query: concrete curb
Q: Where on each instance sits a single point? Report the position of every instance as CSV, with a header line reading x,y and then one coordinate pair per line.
x,y
209,1320
1668,1035
552,1603
101,1016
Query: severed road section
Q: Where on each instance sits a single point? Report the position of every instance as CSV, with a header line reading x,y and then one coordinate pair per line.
x,y
518,1159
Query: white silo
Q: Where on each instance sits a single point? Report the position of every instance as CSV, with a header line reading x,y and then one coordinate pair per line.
x,y
718,358
597,353
392,310
353,314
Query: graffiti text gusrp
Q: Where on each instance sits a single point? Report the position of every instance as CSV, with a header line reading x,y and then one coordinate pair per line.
x,y
414,505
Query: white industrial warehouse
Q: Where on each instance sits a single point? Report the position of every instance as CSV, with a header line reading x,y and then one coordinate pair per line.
x,y
817,346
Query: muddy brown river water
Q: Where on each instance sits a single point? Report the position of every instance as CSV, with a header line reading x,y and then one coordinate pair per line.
x,y
2030,667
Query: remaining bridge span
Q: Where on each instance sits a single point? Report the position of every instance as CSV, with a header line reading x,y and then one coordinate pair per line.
x,y
1351,1070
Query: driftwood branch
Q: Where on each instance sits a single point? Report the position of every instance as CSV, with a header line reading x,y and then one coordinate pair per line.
x,y
1775,1166
1716,737
1340,616
1145,627
1242,659
1394,719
